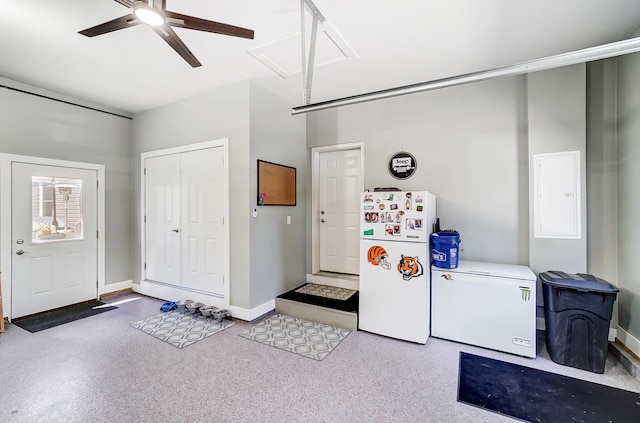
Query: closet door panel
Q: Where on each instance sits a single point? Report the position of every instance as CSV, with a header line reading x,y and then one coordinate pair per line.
x,y
203,206
162,219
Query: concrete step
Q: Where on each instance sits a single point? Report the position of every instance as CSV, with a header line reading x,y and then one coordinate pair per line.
x,y
332,311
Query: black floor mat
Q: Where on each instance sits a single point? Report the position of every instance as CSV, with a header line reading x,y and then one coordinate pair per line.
x,y
60,316
537,396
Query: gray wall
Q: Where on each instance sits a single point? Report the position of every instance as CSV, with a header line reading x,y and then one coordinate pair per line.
x,y
40,127
222,113
602,173
471,147
474,144
628,103
557,122
277,249
266,254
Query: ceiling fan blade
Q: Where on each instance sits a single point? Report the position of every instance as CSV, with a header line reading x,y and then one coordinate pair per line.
x,y
169,35
183,21
114,25
125,3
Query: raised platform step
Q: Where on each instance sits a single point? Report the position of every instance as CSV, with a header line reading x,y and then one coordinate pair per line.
x,y
321,303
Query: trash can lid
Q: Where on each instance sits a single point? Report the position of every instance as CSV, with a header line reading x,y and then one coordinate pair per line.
x,y
578,281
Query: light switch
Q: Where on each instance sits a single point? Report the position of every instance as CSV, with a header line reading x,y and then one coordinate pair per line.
x,y
288,220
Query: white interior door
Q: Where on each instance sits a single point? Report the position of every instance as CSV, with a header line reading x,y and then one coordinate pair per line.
x,y
54,237
203,206
340,183
185,205
162,216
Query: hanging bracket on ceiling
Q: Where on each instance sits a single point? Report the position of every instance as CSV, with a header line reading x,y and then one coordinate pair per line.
x,y
308,59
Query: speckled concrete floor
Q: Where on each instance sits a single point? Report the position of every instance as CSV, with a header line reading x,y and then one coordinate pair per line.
x,y
100,369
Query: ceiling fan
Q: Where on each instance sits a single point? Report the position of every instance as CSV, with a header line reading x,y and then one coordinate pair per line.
x,y
155,15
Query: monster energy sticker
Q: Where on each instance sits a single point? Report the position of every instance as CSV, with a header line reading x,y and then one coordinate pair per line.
x,y
525,293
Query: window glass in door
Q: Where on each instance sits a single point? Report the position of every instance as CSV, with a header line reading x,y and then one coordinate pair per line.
x,y
56,209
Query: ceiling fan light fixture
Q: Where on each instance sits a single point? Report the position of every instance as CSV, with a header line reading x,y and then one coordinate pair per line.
x,y
147,14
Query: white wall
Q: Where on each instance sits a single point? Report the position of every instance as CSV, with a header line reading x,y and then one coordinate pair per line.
x,y
470,143
41,127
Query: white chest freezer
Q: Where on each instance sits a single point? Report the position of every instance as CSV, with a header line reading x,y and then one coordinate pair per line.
x,y
485,304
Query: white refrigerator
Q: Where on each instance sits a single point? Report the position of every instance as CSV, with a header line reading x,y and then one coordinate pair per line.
x,y
395,263
490,305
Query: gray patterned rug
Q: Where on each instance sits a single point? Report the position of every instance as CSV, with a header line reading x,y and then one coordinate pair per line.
x,y
308,339
326,291
180,328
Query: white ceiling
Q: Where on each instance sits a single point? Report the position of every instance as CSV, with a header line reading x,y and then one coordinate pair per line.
x,y
392,43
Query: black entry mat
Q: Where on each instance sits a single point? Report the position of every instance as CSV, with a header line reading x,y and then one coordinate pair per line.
x,y
534,395
60,316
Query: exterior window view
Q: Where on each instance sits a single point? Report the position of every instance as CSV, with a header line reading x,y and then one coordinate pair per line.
x,y
56,209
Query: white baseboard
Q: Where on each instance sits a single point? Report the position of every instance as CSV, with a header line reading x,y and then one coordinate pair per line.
x,y
629,341
171,293
115,287
334,281
251,314
174,293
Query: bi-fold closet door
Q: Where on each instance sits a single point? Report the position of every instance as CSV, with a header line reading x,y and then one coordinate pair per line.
x,y
184,219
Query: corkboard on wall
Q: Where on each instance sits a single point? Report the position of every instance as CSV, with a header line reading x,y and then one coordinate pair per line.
x,y
276,184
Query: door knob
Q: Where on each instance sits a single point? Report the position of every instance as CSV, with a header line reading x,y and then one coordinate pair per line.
x,y
19,252
321,211
321,220
175,230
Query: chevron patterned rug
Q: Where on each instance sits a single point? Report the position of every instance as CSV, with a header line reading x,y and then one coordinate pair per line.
x,y
309,339
180,328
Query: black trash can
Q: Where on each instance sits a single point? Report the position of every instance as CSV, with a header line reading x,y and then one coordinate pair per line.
x,y
577,310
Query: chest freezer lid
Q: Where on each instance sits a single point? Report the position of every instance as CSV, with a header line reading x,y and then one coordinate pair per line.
x,y
498,270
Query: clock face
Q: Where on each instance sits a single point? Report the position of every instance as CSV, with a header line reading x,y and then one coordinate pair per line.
x,y
402,165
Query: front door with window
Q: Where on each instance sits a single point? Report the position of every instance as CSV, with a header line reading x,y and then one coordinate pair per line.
x,y
54,237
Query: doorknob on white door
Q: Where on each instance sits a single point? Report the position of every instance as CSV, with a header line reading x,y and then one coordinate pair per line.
x,y
175,230
321,220
19,252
